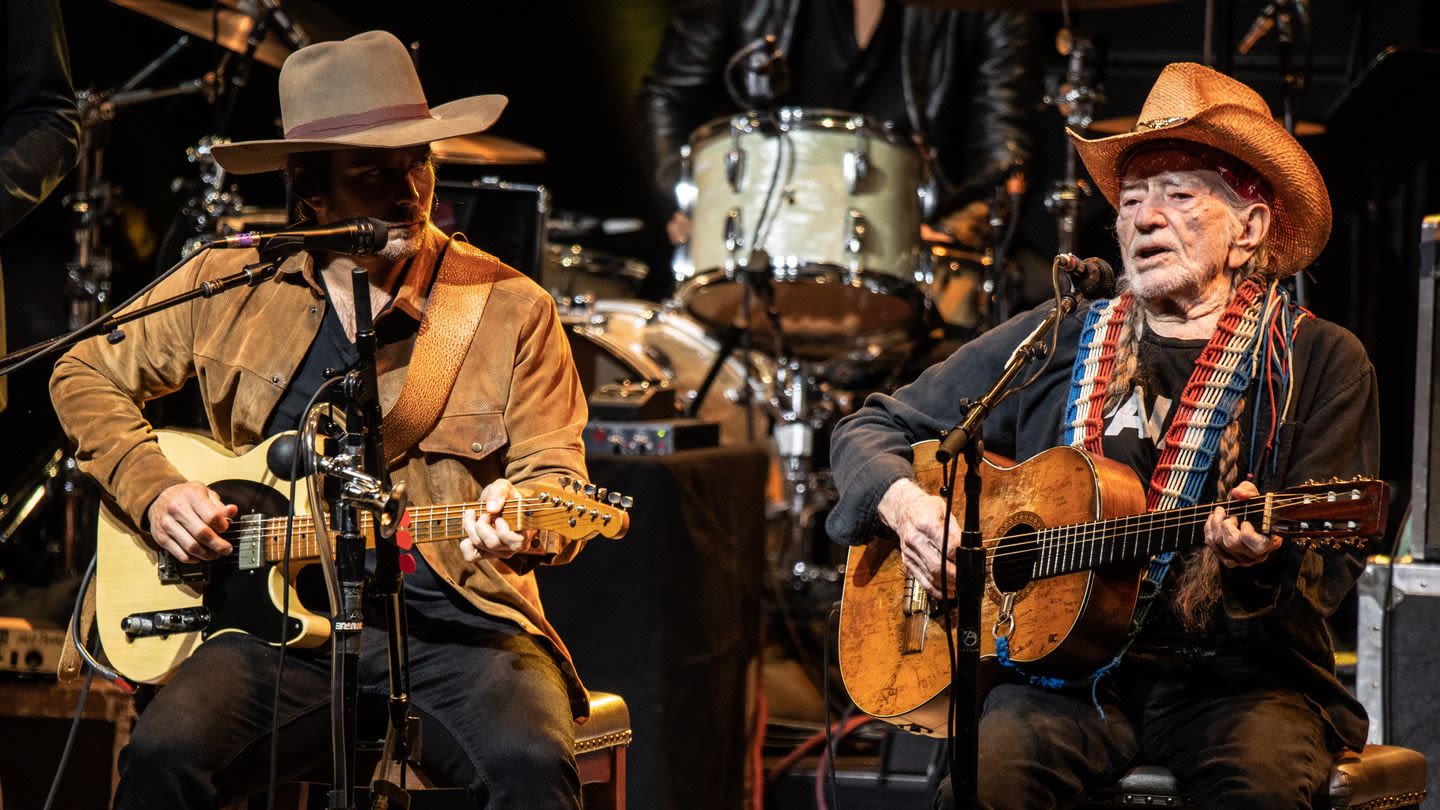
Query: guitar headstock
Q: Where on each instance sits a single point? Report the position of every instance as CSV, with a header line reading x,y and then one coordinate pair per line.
x,y
1331,514
577,510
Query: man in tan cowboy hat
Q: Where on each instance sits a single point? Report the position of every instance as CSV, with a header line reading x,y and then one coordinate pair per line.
x,y
1209,384
491,681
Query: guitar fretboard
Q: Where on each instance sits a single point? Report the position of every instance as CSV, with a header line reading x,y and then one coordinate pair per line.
x,y
427,524
1067,549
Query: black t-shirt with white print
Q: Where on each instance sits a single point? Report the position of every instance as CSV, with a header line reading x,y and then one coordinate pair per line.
x,y
1135,436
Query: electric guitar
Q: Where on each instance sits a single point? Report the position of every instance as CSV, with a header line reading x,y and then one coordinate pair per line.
x,y
152,611
1066,541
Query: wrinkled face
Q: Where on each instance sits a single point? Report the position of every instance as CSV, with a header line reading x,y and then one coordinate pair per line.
x,y
1176,232
395,185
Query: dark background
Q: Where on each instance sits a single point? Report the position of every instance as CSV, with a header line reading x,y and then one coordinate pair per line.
x,y
571,69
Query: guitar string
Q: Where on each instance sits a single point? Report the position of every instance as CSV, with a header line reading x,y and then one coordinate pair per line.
x,y
1089,533
308,549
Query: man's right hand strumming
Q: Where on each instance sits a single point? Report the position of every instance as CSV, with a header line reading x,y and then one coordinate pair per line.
x,y
186,519
918,518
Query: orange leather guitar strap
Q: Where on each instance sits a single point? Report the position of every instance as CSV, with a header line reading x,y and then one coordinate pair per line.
x,y
452,313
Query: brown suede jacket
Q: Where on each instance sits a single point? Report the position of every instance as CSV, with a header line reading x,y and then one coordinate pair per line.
x,y
516,410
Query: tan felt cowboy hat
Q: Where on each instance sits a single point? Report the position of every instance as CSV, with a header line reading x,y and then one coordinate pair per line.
x,y
360,92
1191,102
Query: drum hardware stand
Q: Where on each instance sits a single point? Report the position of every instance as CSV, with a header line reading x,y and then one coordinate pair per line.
x,y
87,294
1280,15
1001,286
1075,99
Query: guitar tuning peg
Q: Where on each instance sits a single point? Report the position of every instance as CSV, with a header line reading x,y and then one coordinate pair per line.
x,y
600,494
589,490
626,502
613,499
564,481
575,485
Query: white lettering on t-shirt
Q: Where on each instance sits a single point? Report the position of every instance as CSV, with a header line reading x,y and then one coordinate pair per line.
x,y
1131,416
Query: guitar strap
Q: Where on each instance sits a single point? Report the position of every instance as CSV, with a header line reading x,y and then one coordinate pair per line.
x,y
452,313
1208,403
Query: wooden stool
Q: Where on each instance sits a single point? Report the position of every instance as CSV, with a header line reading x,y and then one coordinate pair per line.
x,y
1379,778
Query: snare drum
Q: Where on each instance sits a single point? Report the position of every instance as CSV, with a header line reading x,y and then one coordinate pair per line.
x,y
834,199
613,341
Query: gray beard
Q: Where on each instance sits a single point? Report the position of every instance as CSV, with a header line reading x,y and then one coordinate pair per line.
x,y
400,248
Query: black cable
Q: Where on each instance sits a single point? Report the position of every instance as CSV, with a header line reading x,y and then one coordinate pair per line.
x,y
285,599
69,740
825,698
948,472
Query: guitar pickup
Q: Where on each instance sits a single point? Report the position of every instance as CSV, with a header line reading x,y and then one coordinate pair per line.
x,y
165,622
174,572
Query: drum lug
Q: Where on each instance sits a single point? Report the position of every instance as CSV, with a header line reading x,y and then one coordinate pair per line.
x,y
856,162
734,239
854,238
685,186
734,161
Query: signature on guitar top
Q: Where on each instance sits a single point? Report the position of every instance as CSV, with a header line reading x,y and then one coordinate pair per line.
x,y
152,611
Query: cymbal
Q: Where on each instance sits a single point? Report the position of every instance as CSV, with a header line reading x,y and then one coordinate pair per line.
x,y
1126,123
483,149
232,24
1028,5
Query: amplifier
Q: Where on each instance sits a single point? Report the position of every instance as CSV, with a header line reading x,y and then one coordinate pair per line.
x,y
27,650
649,437
1396,666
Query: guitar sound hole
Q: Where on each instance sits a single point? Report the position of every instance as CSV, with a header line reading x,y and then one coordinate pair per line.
x,y
1013,565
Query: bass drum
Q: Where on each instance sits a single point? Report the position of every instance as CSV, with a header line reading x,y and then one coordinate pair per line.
x,y
619,340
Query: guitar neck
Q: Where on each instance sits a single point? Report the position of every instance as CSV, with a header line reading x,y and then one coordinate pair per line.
x,y
427,524
1068,549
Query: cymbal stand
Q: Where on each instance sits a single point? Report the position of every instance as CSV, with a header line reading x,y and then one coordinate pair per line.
x,y
1075,98
87,293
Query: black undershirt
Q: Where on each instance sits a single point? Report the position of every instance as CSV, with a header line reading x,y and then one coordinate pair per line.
x,y
829,70
427,597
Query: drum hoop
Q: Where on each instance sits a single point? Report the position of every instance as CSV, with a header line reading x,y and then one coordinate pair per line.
x,y
812,273
799,118
594,324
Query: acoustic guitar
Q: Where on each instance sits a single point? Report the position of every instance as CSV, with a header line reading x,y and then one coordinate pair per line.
x,y
152,611
1066,540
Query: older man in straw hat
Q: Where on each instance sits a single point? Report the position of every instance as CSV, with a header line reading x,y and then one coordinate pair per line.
x,y
491,681
1229,679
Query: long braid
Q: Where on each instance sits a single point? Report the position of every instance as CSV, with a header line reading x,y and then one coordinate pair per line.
x,y
1127,357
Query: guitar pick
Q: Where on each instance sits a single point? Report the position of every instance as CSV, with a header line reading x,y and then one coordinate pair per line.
x,y
403,539
407,563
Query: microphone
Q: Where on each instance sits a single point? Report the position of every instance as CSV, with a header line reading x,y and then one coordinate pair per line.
x,y
1258,29
1093,277
362,236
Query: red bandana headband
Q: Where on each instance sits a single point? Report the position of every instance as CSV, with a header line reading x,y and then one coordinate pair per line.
x,y
1177,155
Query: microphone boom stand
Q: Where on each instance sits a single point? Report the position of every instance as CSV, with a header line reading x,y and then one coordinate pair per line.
x,y
965,438
371,491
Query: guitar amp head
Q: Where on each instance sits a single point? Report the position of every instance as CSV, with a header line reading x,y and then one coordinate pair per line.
x,y
649,437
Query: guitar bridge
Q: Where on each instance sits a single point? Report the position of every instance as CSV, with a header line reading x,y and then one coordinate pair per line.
x,y
174,572
917,617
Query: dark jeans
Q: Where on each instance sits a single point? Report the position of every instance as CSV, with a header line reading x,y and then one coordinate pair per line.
x,y
495,718
1254,746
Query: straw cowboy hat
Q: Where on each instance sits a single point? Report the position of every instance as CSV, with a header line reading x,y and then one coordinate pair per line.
x,y
1191,102
360,92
